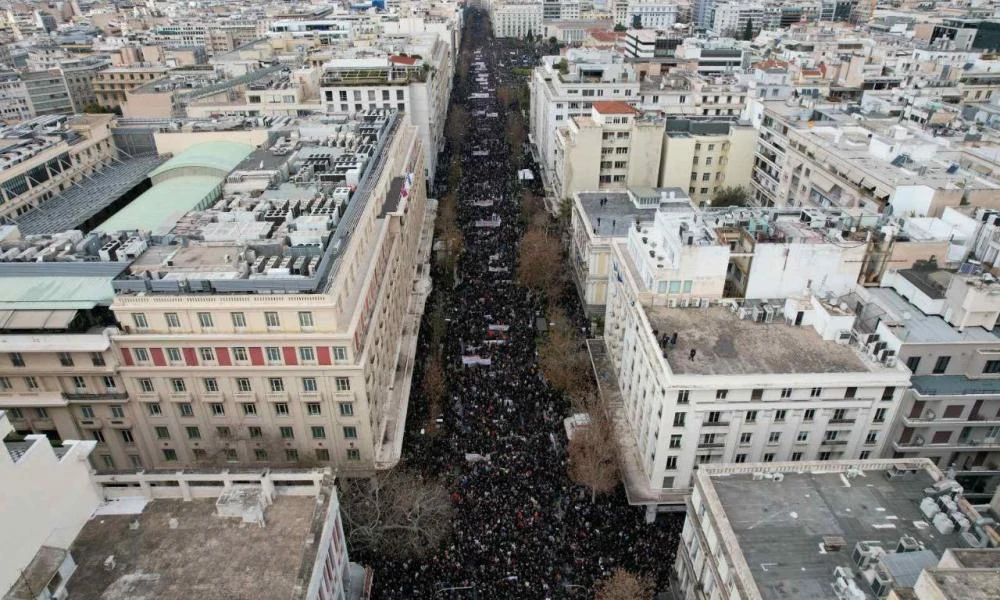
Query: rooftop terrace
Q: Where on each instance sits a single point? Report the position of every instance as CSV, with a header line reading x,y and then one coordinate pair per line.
x,y
727,345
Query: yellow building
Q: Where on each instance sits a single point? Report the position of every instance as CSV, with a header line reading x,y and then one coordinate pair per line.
x,y
705,156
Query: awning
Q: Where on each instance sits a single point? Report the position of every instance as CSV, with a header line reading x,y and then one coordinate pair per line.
x,y
36,319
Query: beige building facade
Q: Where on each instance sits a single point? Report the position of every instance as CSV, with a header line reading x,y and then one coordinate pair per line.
x,y
706,156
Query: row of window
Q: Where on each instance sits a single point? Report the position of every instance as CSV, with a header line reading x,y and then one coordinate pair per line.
x,y
781,415
742,458
178,385
65,359
240,354
230,455
207,319
249,409
224,432
342,94
77,382
684,396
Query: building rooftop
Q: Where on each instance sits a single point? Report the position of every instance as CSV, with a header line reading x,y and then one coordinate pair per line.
x,y
159,208
728,345
915,327
182,550
780,526
222,156
619,212
614,107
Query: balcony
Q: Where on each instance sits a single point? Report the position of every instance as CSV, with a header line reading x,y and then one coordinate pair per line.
x,y
715,424
96,396
918,444
120,423
92,423
702,445
841,421
972,420
833,443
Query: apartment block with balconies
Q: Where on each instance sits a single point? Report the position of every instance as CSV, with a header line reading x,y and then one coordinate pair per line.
x,y
941,326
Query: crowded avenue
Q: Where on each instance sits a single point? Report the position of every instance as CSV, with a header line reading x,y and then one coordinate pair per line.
x,y
522,529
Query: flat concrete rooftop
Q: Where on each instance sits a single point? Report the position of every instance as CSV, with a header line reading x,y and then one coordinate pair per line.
x,y
727,345
780,526
204,557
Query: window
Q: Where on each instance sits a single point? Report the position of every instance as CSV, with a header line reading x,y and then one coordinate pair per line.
x,y
745,439
879,415
675,441
353,454
178,386
162,433
307,354
796,456
141,355
992,366
343,384
239,320
127,436
87,411
769,457
350,432
98,436
756,394
16,359
287,433
679,420
218,409
322,454
211,384
346,409
774,437
305,319
850,392
173,321
912,363
318,432
223,432
941,365
185,409
839,414
42,413
66,359
888,393
255,432
273,354
721,394
830,436
683,396
193,433
169,455
97,359
277,384
809,414
109,382
249,409
941,437
243,385
174,355
339,353
79,382
313,409
815,392
671,462
803,436
281,409
751,416
779,415
140,320
231,455
740,458
714,417
31,383
117,412
824,455
786,392
864,455
205,319
871,438
207,354
154,408
271,319
309,384
5,383
291,455
260,454
239,354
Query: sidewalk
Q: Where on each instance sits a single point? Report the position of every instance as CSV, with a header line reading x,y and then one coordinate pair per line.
x,y
637,487
391,447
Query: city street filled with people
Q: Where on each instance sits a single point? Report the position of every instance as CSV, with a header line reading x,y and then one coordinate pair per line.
x,y
521,528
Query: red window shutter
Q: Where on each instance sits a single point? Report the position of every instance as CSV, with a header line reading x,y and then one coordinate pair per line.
x,y
222,355
127,357
256,356
291,358
323,355
157,354
190,357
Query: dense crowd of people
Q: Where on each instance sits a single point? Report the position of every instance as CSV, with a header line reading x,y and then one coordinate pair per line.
x,y
522,529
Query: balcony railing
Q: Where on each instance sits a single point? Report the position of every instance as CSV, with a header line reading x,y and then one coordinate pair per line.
x,y
833,443
96,395
842,421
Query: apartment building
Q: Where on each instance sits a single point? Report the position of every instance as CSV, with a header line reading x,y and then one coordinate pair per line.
x,y
46,155
417,82
238,348
690,94
941,324
112,84
757,381
650,14
921,538
15,104
613,148
706,156
560,91
48,92
516,19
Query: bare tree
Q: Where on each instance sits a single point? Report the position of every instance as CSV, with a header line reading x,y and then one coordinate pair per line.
x,y
539,262
434,389
457,124
623,585
395,512
561,357
516,135
593,454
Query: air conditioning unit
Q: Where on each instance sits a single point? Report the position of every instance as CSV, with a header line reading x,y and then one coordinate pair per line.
x,y
684,302
867,553
890,362
672,303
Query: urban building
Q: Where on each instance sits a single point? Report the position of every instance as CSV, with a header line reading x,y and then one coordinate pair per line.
x,y
112,84
847,529
48,92
706,156
649,14
15,104
516,19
